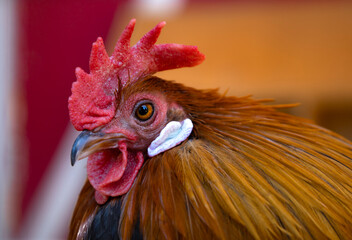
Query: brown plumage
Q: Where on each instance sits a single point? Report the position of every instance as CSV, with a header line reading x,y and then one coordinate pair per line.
x,y
247,171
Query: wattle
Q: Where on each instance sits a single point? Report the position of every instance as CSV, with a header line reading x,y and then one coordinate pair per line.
x,y
112,172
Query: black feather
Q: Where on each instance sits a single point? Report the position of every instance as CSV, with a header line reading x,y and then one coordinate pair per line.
x,y
105,224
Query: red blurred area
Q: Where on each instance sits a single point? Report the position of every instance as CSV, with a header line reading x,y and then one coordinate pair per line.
x,y
54,37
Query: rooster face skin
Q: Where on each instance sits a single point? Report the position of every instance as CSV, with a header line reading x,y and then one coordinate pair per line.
x,y
118,149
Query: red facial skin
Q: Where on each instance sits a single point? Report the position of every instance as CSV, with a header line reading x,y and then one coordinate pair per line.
x,y
112,172
141,133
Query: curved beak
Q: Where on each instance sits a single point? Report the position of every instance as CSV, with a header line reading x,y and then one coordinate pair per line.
x,y
89,142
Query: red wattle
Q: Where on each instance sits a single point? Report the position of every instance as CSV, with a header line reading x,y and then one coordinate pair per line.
x,y
112,172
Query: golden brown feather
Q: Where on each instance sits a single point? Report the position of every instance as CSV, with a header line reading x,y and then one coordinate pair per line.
x,y
248,171
84,209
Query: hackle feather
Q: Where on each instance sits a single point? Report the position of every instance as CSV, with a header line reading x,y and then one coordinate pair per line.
x,y
247,172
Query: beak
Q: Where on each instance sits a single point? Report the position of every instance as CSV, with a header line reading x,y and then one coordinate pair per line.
x,y
89,142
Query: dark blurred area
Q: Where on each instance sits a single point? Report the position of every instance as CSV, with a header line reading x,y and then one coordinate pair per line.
x,y
290,51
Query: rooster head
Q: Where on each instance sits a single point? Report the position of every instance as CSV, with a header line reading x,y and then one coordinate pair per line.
x,y
123,121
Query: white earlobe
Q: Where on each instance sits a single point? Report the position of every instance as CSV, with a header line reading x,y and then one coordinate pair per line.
x,y
172,134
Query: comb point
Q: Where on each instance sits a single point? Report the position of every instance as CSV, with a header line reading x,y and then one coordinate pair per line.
x,y
150,38
99,58
123,44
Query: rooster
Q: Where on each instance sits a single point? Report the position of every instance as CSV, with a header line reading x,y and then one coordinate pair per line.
x,y
166,161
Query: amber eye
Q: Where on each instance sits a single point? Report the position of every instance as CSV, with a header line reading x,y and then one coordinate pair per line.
x,y
144,111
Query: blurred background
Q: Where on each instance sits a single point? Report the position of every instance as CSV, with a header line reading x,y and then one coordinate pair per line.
x,y
290,51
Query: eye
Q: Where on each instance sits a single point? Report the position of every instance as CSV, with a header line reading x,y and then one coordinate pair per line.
x,y
144,111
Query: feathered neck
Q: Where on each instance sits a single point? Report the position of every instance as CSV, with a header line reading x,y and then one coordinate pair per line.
x,y
248,171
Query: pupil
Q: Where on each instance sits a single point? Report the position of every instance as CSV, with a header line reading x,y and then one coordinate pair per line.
x,y
143,110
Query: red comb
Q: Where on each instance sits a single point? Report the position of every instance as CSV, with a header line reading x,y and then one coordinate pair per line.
x,y
92,102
